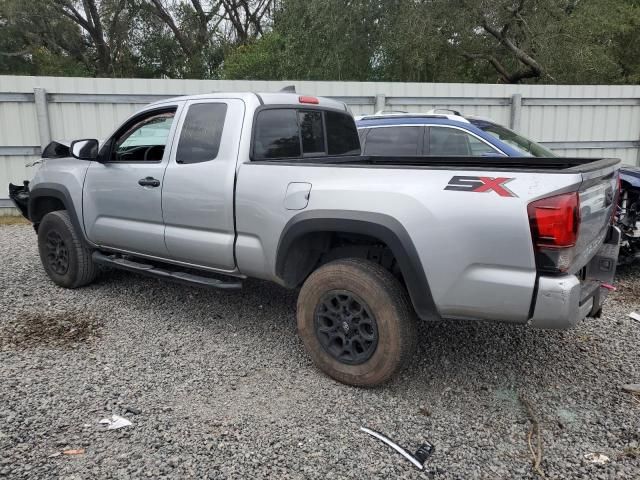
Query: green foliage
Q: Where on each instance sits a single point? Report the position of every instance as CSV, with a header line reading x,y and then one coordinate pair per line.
x,y
330,40
599,44
36,40
262,59
542,41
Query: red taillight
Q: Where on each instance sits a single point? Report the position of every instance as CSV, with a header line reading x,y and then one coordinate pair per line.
x,y
555,221
311,100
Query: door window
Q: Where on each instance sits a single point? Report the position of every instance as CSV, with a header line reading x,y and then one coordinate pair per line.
x,y
143,140
393,141
201,133
448,142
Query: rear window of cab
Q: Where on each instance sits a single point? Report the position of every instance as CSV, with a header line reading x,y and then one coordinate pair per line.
x,y
290,133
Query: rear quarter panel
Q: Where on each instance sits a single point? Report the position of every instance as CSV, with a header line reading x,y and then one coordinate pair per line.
x,y
475,248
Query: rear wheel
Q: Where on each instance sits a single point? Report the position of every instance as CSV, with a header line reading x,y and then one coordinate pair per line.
x,y
63,254
356,322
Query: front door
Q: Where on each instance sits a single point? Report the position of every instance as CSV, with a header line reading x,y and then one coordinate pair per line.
x,y
122,195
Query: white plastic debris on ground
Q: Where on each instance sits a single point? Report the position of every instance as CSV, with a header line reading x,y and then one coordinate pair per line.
x,y
635,316
598,458
115,422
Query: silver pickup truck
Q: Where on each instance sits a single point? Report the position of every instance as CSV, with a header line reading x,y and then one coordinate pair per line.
x,y
214,188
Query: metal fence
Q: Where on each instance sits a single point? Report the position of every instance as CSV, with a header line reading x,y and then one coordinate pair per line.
x,y
599,120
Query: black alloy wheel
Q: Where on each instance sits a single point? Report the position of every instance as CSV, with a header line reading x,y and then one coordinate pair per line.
x,y
57,253
345,327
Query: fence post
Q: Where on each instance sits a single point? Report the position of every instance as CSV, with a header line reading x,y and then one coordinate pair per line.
x,y
381,102
42,114
516,111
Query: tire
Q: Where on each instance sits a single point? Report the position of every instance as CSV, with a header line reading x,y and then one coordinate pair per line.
x,y
322,316
63,254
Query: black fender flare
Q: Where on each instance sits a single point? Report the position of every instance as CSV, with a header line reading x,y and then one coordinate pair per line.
x,y
381,226
61,193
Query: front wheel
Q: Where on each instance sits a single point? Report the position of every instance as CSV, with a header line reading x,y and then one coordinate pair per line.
x,y
63,254
356,322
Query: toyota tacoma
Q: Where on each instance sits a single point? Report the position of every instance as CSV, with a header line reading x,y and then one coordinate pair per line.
x,y
211,189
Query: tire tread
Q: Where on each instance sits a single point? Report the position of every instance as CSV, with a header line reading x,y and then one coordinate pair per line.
x,y
87,270
383,281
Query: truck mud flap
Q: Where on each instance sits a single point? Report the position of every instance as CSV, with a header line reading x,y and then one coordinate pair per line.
x,y
19,195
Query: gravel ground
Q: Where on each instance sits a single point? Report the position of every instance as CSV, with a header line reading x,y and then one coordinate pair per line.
x,y
225,390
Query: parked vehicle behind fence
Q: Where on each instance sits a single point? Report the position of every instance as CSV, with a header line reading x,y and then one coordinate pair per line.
x,y
210,189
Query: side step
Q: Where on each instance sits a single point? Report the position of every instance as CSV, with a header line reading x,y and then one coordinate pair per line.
x,y
153,271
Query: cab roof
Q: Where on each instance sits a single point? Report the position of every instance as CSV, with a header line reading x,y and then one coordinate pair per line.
x,y
280,98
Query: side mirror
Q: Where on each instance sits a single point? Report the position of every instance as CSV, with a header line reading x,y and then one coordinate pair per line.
x,y
86,149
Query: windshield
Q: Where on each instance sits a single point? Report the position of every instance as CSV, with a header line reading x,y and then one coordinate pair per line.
x,y
523,144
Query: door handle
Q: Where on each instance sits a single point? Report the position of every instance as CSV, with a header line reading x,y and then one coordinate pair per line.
x,y
149,182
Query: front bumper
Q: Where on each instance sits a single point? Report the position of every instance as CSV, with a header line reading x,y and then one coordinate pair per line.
x,y
563,301
19,195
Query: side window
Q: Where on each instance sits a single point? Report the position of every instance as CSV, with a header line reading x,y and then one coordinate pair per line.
x,y
312,132
201,133
447,142
393,141
276,134
294,133
144,140
342,134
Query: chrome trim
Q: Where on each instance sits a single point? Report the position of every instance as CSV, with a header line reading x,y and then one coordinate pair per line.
x,y
393,445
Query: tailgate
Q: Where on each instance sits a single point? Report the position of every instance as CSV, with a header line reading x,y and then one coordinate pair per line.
x,y
598,195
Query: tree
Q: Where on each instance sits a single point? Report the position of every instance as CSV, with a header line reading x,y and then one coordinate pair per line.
x,y
263,59
106,26
203,31
509,41
247,17
88,33
328,40
503,34
598,44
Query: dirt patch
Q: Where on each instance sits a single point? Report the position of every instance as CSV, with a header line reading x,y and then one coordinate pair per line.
x,y
33,329
13,220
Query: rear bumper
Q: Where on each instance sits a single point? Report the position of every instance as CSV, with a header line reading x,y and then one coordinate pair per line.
x,y
563,301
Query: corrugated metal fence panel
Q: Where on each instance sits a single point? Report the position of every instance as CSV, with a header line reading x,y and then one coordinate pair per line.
x,y
627,155
17,124
580,117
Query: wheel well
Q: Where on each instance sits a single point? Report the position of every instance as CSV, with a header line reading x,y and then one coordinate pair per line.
x,y
313,249
43,205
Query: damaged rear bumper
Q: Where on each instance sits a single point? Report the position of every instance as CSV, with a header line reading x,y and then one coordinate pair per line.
x,y
563,301
19,195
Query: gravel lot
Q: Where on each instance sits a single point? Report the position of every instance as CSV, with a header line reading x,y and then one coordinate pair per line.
x,y
225,389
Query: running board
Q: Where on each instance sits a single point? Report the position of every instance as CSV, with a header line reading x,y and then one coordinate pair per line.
x,y
153,271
